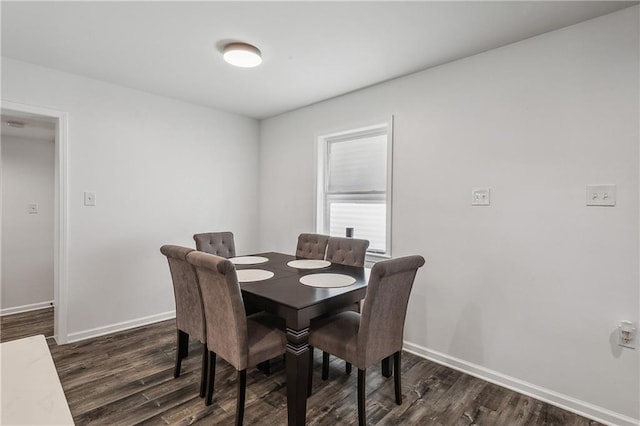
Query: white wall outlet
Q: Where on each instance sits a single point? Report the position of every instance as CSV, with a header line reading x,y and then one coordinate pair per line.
x,y
481,197
32,208
627,334
601,195
89,198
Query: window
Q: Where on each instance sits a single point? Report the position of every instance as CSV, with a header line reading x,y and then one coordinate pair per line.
x,y
354,185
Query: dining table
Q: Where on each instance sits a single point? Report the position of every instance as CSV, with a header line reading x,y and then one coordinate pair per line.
x,y
298,291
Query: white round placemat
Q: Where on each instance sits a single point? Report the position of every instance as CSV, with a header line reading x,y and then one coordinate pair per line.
x,y
248,275
309,264
248,260
327,280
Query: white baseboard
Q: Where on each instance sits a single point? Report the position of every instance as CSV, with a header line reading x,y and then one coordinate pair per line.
x,y
121,326
565,402
26,308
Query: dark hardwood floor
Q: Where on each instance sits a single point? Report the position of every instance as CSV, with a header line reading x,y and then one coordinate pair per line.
x,y
127,378
26,324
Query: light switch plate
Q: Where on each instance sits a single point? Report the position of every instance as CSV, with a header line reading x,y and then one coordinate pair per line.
x,y
89,198
32,208
481,197
601,195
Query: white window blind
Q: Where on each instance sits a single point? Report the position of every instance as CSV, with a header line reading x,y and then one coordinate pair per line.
x,y
358,165
369,221
354,185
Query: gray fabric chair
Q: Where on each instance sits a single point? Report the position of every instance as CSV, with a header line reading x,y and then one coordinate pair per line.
x,y
347,251
312,246
189,313
366,339
242,341
222,244
218,243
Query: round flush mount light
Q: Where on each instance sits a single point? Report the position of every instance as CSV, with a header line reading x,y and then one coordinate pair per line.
x,y
242,55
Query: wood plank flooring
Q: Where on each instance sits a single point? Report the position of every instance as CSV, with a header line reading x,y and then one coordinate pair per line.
x,y
26,324
127,379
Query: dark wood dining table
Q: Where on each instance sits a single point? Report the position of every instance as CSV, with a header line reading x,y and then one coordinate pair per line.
x,y
284,296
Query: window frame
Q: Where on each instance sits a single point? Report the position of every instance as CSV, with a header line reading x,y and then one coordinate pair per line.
x,y
322,169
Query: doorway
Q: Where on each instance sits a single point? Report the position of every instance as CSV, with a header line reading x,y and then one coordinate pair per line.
x,y
33,234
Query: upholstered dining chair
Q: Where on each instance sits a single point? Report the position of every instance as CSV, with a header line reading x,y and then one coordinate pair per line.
x,y
347,251
218,243
189,313
312,246
240,340
366,339
222,244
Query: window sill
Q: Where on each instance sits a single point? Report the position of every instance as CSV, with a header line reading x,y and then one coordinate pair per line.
x,y
373,258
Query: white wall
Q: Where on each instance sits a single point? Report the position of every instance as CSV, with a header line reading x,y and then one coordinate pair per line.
x,y
161,169
27,239
530,289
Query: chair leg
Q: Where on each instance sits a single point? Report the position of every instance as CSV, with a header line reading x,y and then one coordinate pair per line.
x,y
204,373
182,350
397,376
242,387
386,367
362,414
184,344
347,367
310,372
325,365
185,354
212,376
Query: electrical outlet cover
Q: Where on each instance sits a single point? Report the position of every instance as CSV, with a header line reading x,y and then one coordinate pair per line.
x,y
481,197
626,334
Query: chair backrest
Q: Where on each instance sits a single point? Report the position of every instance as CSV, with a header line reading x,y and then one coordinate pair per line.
x,y
224,312
312,246
189,312
218,243
347,251
383,315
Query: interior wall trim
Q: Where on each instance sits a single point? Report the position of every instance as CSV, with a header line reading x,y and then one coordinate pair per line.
x,y
26,308
121,326
585,409
61,220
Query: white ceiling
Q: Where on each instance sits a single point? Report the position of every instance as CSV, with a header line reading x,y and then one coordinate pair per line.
x,y
311,50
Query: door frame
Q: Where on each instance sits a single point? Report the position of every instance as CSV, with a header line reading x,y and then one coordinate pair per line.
x,y
60,233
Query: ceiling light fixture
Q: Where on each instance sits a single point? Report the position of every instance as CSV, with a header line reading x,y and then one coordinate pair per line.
x,y
16,124
242,55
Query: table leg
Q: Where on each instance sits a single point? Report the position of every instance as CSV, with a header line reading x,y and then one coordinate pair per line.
x,y
297,366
